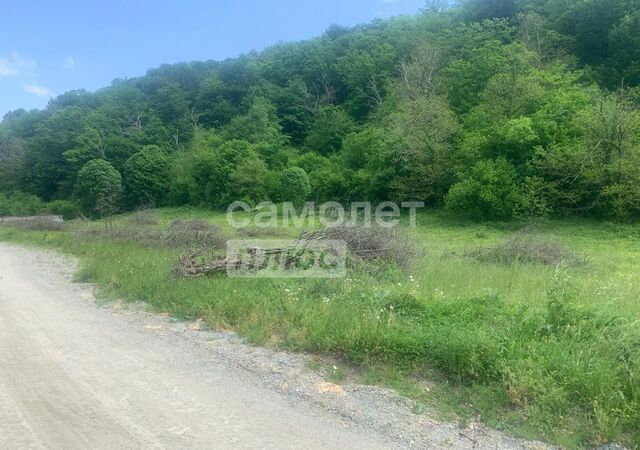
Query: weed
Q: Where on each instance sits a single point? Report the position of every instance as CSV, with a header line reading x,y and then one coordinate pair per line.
x,y
336,375
543,350
195,233
35,223
527,247
144,217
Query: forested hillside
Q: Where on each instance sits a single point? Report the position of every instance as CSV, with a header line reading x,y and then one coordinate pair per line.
x,y
493,108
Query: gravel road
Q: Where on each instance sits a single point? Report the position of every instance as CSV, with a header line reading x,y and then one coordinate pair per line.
x,y
74,374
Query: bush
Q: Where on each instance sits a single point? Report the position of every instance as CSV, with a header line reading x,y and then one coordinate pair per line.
x,y
65,208
99,187
21,204
527,247
294,186
489,191
249,181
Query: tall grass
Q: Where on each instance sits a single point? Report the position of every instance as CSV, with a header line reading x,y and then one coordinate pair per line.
x,y
543,351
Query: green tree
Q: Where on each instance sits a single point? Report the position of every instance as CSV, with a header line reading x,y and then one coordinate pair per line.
x,y
258,126
249,181
592,173
624,49
328,129
421,134
12,151
294,186
146,177
99,188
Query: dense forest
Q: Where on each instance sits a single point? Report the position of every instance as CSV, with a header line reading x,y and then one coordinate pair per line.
x,y
490,108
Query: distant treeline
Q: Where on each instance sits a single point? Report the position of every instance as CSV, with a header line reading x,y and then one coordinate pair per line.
x,y
493,108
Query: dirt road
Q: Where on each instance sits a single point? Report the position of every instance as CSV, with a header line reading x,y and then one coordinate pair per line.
x,y
76,375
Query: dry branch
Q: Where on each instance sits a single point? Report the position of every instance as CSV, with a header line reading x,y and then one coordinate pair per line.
x,y
197,264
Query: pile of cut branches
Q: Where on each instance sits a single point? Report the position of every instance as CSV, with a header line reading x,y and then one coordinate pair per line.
x,y
200,263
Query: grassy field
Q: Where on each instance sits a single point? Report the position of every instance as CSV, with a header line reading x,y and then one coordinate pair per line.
x,y
541,350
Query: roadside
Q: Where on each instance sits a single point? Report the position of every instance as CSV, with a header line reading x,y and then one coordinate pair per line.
x,y
74,374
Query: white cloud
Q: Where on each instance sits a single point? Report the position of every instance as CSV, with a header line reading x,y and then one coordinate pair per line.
x,y
6,69
68,62
26,71
16,65
35,89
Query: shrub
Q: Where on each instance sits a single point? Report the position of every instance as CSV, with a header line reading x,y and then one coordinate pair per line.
x,y
527,247
65,208
21,204
249,181
489,191
99,187
294,186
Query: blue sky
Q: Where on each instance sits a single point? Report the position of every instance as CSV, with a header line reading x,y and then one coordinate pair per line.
x,y
48,47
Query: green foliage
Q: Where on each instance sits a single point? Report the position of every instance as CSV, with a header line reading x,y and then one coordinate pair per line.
x,y
327,176
21,204
146,177
259,126
293,186
421,136
98,188
390,110
593,172
488,191
68,209
551,353
329,127
250,181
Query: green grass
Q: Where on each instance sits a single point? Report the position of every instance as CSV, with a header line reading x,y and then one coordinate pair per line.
x,y
539,351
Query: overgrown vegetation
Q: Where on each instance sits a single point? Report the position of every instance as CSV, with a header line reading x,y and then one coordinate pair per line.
x,y
39,223
527,247
180,234
495,109
539,349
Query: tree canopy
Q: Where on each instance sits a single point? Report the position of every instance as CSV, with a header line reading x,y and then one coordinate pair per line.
x,y
454,106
